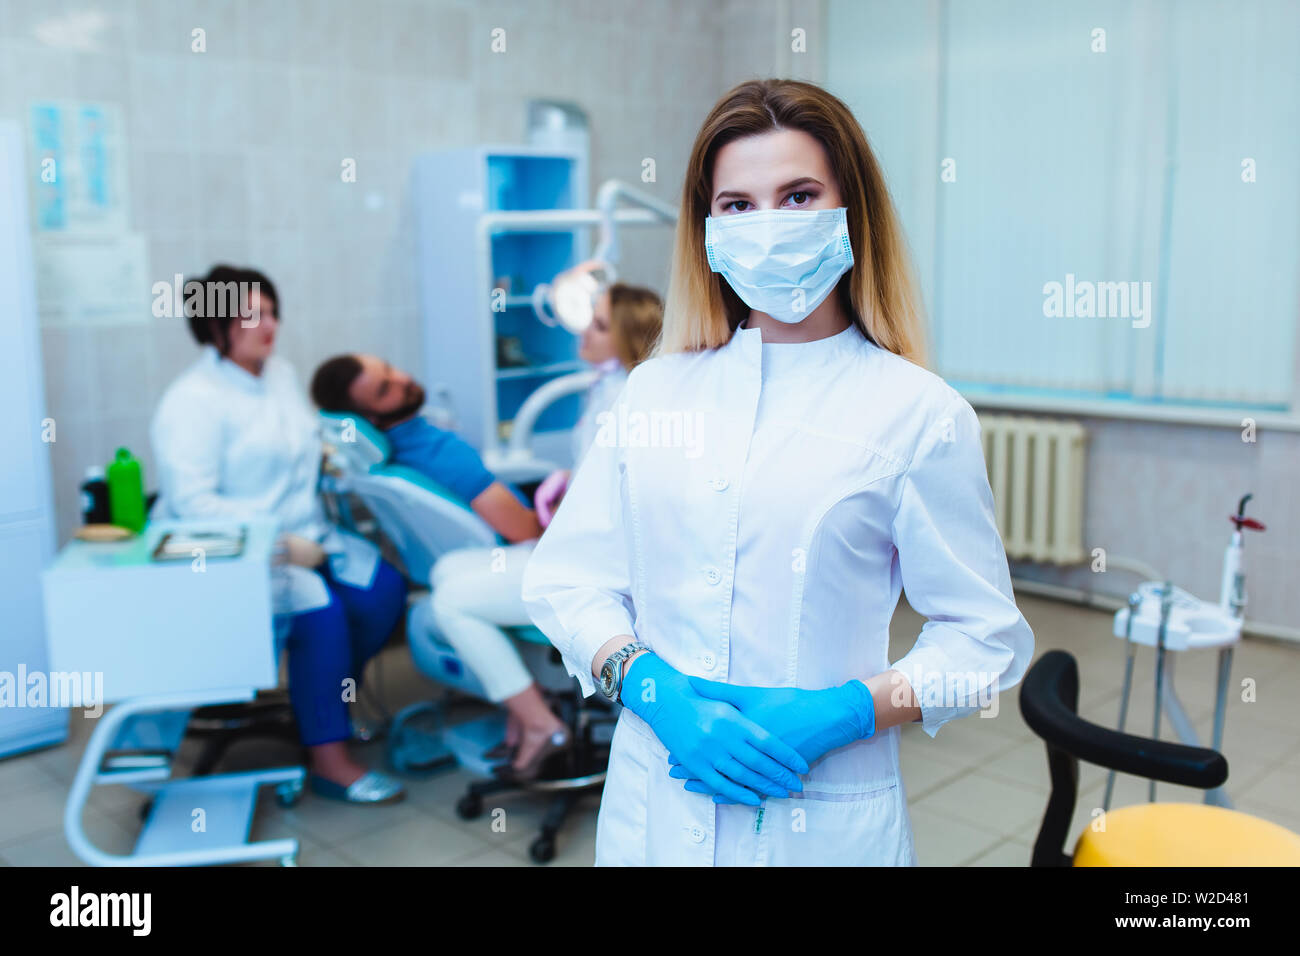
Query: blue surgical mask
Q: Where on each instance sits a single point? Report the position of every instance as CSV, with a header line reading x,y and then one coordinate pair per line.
x,y
780,261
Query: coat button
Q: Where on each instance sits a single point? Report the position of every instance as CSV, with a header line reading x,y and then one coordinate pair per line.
x,y
709,661
697,834
719,483
712,575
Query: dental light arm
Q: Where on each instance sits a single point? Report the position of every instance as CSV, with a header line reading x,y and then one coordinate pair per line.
x,y
606,197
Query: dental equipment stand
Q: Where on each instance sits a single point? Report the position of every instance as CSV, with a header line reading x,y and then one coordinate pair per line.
x,y
1169,619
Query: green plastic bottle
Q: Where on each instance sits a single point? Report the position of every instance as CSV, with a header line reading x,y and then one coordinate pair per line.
x,y
126,491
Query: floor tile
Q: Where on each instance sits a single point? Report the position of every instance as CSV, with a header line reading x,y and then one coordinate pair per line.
x,y
944,841
1008,853
422,840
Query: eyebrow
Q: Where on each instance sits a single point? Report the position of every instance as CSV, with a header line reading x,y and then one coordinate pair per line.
x,y
736,194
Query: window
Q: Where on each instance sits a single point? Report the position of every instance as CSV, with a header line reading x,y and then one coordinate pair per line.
x,y
1103,200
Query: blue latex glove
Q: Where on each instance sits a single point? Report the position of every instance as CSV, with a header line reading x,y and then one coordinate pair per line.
x,y
723,749
814,722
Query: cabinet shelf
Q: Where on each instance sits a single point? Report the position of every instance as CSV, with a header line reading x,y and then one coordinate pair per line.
x,y
460,258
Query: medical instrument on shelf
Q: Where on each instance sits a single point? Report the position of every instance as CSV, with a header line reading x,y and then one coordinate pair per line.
x,y
1169,618
1232,587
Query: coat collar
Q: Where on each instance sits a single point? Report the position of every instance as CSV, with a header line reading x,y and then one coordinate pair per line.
x,y
747,346
227,371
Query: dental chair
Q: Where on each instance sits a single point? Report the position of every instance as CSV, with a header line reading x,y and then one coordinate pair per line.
x,y
1148,834
423,521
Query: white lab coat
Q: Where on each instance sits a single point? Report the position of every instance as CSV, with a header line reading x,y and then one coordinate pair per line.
x,y
228,444
769,549
600,396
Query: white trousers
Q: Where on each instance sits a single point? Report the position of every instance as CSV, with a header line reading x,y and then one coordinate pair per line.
x,y
475,594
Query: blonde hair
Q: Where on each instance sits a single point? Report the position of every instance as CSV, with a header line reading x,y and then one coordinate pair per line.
x,y
635,322
879,293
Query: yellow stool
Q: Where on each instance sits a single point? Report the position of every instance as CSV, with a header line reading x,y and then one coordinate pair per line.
x,y
1186,834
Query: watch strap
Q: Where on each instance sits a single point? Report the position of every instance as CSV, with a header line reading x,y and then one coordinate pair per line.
x,y
616,660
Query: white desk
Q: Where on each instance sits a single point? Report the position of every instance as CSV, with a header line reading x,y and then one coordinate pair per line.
x,y
161,639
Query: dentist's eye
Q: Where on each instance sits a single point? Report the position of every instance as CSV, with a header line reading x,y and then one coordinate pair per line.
x,y
807,197
731,205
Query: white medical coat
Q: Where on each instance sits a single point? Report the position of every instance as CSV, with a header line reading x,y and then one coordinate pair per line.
x,y
600,396
228,444
809,484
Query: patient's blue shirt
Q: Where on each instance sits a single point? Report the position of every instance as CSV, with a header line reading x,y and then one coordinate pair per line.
x,y
442,456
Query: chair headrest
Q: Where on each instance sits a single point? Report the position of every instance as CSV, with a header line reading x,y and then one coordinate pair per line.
x,y
359,444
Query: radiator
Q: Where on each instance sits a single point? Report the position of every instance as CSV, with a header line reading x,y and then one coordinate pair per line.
x,y
1036,471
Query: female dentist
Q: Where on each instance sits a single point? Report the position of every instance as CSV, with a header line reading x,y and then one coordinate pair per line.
x,y
234,436
735,592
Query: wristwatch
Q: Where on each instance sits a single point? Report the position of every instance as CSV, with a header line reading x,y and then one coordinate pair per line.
x,y
611,672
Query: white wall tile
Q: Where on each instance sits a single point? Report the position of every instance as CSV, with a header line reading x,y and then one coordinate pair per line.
x,y
162,106
221,179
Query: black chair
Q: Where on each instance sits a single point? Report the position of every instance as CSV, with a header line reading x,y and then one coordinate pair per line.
x,y
1049,701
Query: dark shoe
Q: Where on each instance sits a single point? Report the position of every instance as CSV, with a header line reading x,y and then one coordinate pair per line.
x,y
501,751
507,773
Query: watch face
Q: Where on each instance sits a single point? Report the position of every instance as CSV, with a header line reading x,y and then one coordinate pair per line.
x,y
607,679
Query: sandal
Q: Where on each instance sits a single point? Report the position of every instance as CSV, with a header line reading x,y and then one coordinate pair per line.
x,y
370,787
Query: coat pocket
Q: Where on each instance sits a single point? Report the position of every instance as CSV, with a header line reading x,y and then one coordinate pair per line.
x,y
820,828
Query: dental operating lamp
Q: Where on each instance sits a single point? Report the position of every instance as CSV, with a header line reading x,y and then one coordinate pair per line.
x,y
569,299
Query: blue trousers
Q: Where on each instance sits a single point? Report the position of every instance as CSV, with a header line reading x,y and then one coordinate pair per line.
x,y
331,644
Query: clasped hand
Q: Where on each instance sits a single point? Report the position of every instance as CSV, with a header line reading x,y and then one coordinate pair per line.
x,y
813,722
710,738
